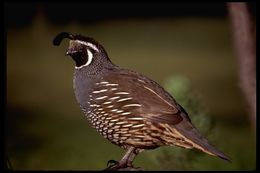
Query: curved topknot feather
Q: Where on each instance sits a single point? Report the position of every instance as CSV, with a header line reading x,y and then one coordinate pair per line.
x,y
57,40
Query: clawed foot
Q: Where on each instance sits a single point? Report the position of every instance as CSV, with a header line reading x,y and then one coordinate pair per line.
x,y
119,166
111,163
125,164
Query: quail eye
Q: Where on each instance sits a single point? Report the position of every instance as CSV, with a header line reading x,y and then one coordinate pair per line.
x,y
81,49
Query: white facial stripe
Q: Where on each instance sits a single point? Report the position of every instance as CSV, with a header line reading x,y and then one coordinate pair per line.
x,y
88,44
90,57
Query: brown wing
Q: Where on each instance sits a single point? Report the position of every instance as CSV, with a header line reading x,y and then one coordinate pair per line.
x,y
132,95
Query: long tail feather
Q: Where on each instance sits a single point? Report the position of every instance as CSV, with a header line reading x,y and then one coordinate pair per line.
x,y
192,135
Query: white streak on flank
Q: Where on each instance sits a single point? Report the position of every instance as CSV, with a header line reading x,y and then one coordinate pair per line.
x,y
158,95
113,89
116,126
87,44
119,111
116,135
125,113
136,118
109,136
121,122
139,125
121,93
105,114
90,57
105,103
125,132
100,98
111,84
139,136
123,138
100,109
102,118
130,105
110,106
113,98
121,100
114,120
114,110
127,125
94,105
100,91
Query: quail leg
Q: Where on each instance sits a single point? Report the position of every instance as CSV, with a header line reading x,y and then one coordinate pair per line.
x,y
125,162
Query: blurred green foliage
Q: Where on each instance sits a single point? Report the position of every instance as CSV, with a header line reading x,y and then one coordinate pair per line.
x,y
180,87
178,158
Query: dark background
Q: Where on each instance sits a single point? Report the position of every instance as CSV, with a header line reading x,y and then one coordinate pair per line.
x,y
21,14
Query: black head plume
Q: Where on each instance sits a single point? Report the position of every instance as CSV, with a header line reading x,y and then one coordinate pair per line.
x,y
57,40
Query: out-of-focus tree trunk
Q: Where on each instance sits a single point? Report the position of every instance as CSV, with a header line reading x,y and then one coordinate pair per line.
x,y
244,39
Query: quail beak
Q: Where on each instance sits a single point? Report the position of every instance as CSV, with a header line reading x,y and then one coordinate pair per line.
x,y
70,52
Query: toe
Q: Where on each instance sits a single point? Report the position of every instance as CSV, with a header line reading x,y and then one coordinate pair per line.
x,y
113,162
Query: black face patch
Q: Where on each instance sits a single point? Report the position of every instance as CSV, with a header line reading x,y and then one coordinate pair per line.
x,y
78,54
79,59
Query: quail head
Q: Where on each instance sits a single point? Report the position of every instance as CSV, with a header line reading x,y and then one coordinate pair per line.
x,y
127,108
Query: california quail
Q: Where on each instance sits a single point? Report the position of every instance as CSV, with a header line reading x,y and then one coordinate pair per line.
x,y
127,108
